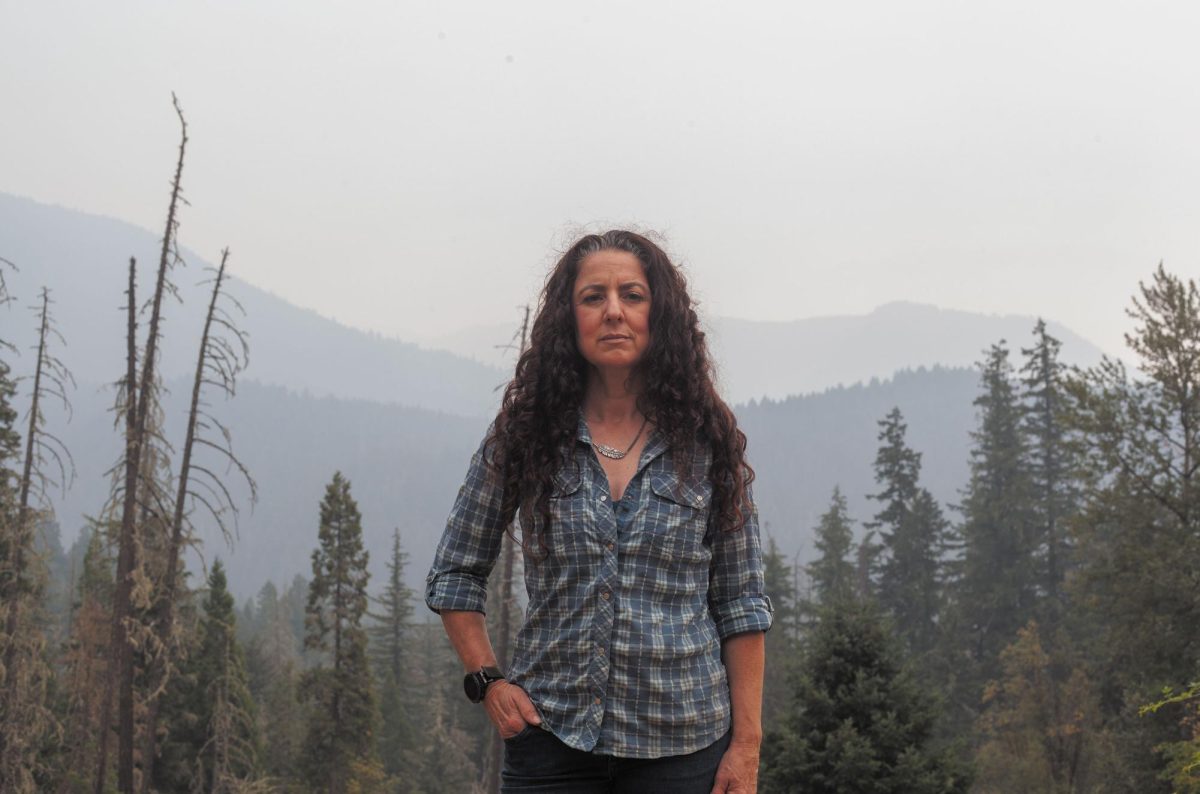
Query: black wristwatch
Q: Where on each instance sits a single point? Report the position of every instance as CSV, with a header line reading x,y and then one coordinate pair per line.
x,y
476,684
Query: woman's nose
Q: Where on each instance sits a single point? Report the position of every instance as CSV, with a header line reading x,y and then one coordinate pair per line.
x,y
612,308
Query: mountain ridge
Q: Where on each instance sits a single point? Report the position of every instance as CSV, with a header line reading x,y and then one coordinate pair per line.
x,y
460,372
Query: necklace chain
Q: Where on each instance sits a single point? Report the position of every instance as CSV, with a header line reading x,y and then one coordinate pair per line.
x,y
612,452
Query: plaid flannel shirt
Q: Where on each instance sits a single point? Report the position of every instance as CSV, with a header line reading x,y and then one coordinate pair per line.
x,y
621,646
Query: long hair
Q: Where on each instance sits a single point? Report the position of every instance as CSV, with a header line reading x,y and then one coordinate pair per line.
x,y
534,434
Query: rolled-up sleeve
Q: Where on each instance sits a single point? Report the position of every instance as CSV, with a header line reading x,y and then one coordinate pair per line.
x,y
735,593
470,544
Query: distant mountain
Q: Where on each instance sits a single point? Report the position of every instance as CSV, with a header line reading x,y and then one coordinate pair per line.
x,y
775,359
84,261
757,359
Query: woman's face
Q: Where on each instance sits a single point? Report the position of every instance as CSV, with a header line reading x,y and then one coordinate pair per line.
x,y
612,309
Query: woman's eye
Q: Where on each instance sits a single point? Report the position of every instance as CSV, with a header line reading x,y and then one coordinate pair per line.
x,y
593,298
634,296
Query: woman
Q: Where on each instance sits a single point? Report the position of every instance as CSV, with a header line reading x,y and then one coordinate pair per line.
x,y
639,666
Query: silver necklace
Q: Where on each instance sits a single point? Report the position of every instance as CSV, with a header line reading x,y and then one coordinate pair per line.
x,y
615,454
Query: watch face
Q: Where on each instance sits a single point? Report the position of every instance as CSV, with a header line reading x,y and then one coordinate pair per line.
x,y
472,686
476,684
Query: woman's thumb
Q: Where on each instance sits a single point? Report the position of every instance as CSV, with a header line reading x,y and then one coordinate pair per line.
x,y
529,713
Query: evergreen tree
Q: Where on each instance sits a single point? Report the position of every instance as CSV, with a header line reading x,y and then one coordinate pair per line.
x,y
294,603
389,643
857,719
867,555
229,755
213,739
444,757
998,587
912,531
782,639
389,633
272,661
1051,461
833,573
341,727
1138,534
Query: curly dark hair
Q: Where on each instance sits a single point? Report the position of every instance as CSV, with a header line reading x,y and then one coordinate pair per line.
x,y
534,433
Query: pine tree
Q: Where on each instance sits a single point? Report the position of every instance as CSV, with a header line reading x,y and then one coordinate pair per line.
x,y
782,640
229,755
439,761
208,711
272,663
912,531
389,645
833,573
341,727
998,588
388,634
294,603
857,720
1051,461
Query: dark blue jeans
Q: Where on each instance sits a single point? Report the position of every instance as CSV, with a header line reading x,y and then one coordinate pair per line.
x,y
537,761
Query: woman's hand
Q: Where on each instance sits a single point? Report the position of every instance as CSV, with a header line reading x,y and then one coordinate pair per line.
x,y
738,772
509,709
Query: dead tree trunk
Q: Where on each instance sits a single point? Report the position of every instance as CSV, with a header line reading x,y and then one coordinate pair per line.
x,y
125,544
217,365
136,443
21,532
23,713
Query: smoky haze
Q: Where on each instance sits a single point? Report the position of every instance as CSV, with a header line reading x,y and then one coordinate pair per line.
x,y
410,168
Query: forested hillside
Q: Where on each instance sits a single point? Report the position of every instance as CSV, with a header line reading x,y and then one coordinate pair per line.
x,y
408,462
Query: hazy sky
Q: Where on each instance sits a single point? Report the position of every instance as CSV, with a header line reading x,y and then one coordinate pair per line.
x,y
411,166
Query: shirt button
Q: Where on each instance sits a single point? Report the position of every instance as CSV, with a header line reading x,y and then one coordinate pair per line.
x,y
610,545
603,498
597,701
600,649
604,594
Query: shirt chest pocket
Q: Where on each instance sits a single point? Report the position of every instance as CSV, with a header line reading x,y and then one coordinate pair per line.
x,y
676,517
569,514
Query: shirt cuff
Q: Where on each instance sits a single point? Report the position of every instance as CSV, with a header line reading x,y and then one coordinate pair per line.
x,y
455,592
748,613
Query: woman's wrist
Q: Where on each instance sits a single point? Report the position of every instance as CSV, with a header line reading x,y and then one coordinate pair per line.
x,y
747,737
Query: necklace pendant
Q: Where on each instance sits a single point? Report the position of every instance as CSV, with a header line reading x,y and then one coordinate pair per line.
x,y
608,452
612,453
